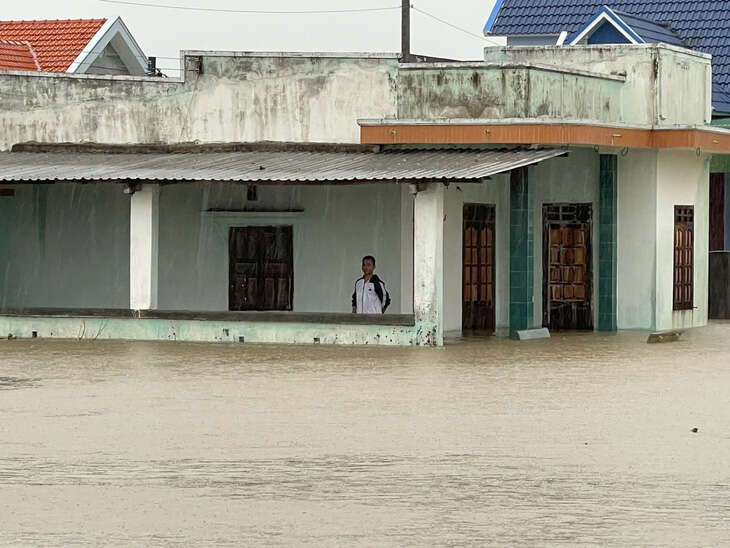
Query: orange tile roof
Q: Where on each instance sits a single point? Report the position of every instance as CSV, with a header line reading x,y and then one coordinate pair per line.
x,y
56,43
17,56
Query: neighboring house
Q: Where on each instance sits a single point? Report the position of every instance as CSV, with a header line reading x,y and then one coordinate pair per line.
x,y
79,46
701,26
18,55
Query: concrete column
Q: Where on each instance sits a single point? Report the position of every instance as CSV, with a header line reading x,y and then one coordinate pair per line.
x,y
143,248
428,265
7,236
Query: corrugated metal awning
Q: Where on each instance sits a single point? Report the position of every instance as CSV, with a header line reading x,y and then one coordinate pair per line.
x,y
267,166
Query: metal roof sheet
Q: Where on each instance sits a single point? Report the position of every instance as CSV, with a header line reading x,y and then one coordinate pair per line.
x,y
266,166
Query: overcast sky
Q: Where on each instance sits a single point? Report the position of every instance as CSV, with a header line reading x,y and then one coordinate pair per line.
x,y
164,32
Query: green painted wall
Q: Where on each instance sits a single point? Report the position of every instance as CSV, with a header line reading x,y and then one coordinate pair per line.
x,y
521,252
607,219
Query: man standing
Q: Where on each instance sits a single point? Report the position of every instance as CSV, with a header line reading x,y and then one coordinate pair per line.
x,y
370,296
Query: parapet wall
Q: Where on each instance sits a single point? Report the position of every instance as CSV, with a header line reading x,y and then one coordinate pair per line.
x,y
507,90
665,85
223,98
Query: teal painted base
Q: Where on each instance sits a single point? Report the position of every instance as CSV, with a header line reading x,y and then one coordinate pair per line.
x,y
207,331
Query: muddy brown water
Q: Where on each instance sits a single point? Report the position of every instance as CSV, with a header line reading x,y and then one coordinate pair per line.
x,y
582,439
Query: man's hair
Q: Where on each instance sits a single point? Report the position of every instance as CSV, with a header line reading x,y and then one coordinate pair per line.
x,y
366,257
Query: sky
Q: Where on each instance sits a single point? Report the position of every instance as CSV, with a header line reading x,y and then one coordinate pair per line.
x,y
163,32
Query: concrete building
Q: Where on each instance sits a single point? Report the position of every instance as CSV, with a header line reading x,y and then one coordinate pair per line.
x,y
700,26
543,186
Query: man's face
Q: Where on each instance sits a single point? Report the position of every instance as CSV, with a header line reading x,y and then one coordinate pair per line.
x,y
367,267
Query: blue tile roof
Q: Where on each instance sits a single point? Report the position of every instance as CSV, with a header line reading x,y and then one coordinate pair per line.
x,y
702,25
650,31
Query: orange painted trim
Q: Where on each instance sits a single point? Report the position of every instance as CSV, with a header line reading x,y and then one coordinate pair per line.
x,y
544,134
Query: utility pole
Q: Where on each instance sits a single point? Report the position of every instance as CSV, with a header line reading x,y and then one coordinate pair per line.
x,y
405,38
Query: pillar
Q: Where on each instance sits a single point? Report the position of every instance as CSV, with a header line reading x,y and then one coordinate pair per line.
x,y
7,236
428,265
143,247
521,252
607,237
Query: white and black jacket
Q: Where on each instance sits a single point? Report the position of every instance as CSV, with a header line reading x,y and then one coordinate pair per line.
x,y
370,297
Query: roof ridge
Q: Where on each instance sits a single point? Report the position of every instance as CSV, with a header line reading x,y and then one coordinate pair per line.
x,y
51,20
34,54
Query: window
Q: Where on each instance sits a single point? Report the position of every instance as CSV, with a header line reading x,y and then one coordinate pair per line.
x,y
683,257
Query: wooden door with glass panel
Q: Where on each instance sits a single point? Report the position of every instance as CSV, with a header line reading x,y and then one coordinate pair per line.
x,y
567,272
478,275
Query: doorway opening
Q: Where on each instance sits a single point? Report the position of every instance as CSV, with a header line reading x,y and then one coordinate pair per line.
x,y
261,269
478,273
567,272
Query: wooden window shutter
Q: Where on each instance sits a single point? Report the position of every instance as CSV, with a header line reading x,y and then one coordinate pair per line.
x,y
683,257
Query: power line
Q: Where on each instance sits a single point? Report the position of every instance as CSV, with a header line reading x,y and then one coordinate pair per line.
x,y
256,12
432,16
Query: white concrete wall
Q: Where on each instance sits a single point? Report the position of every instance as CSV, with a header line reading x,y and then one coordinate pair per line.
x,y
338,226
67,247
665,85
650,184
494,192
234,97
571,180
683,178
636,232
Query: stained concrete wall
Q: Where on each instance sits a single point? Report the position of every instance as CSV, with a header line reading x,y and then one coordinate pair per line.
x,y
496,91
224,98
494,192
664,85
683,178
636,239
336,227
570,180
650,184
67,247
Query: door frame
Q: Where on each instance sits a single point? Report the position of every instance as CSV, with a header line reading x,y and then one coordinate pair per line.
x,y
231,264
546,260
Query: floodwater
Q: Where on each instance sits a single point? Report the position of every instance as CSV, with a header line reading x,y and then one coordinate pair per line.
x,y
582,439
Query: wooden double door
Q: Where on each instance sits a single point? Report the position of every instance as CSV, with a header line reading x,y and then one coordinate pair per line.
x,y
261,271
567,272
478,275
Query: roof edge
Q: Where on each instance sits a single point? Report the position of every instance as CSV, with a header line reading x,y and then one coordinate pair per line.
x,y
192,147
605,14
493,17
111,28
300,54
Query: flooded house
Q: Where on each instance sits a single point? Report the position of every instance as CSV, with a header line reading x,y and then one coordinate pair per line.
x,y
565,187
700,26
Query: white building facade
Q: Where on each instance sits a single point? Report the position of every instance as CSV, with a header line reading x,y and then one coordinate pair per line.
x,y
534,189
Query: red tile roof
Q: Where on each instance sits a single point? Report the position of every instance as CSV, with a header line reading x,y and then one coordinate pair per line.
x,y
17,56
57,43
